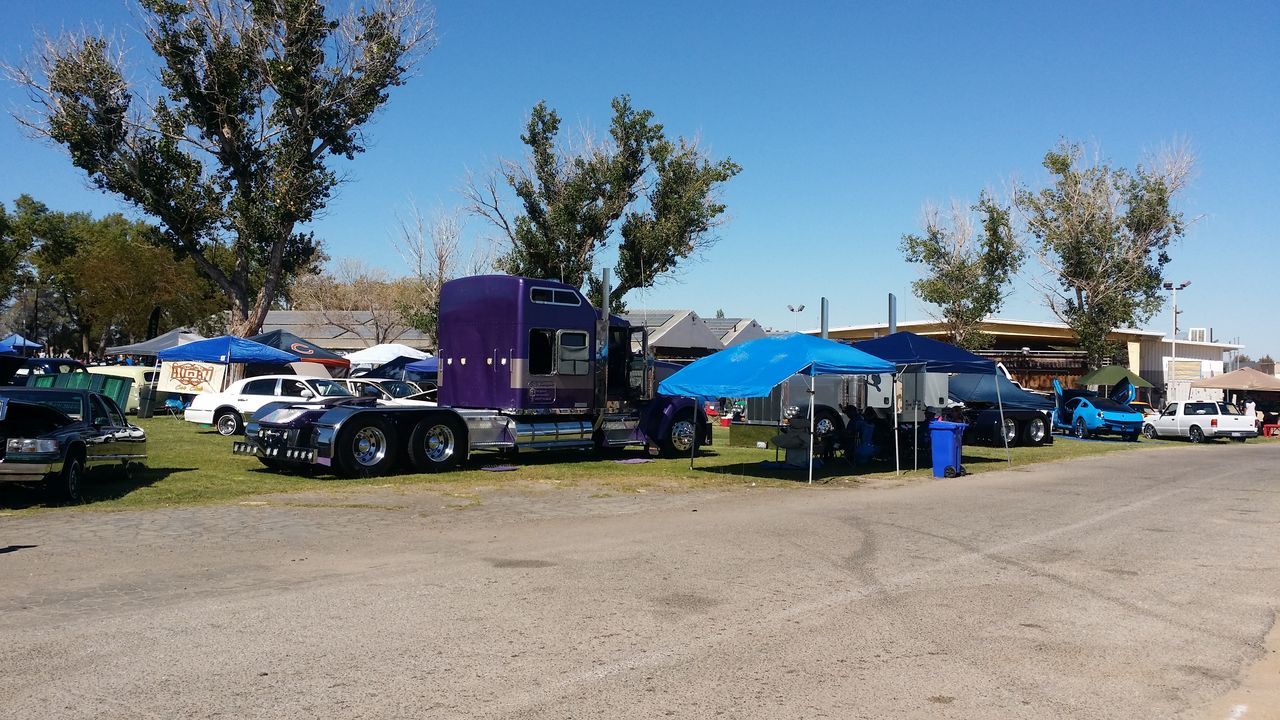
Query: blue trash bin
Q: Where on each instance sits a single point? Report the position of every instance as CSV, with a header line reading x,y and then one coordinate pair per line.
x,y
946,439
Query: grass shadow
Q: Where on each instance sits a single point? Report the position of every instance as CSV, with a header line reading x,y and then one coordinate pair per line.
x,y
100,484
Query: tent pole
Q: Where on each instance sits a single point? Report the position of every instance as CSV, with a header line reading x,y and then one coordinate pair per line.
x,y
693,446
813,414
915,425
999,401
893,398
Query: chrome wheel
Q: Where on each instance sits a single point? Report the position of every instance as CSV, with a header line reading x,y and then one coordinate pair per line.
x,y
227,424
1196,434
369,446
1035,431
1010,431
823,426
1081,431
439,443
1149,431
682,435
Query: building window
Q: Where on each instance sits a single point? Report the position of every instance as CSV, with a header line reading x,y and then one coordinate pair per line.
x,y
575,355
541,352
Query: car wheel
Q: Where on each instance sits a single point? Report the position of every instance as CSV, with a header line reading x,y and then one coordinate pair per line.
x,y
1033,432
827,422
437,444
228,423
366,447
1149,431
68,485
1196,434
1080,430
680,436
1010,432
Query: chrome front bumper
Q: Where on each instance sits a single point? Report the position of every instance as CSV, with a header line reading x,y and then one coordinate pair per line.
x,y
28,472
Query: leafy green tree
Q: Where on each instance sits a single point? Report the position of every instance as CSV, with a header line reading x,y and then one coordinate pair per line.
x,y
656,196
103,278
967,274
230,152
1104,235
13,251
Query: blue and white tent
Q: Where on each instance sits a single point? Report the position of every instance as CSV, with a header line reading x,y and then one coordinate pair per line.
x,y
227,349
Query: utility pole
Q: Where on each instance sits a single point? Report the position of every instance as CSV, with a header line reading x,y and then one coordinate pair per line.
x,y
1173,358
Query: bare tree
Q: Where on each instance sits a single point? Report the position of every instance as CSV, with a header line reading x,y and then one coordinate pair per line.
x,y
432,249
357,298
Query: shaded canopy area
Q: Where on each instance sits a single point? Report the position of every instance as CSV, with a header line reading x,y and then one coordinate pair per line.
x,y
908,350
1242,379
227,349
306,351
1112,375
754,368
173,338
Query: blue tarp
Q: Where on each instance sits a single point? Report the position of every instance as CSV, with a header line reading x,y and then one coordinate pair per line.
x,y
17,341
6,349
754,368
977,390
227,349
429,365
921,354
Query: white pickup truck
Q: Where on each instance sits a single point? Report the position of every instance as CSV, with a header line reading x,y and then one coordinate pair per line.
x,y
1199,419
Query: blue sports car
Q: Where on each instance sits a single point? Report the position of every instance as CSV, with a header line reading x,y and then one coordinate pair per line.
x,y
1084,413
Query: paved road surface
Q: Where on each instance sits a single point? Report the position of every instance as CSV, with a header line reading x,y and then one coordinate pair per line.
x,y
1138,585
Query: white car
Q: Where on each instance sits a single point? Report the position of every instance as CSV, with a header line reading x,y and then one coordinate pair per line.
x,y
226,410
388,391
1200,419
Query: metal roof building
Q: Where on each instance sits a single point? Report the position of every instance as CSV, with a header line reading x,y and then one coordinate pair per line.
x,y
345,331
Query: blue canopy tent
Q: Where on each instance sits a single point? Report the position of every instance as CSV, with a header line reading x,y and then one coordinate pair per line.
x,y
914,353
17,343
227,349
754,368
429,365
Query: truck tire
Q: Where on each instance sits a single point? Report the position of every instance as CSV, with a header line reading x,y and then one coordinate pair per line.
x,y
1033,432
366,446
1195,434
1010,432
1149,431
827,421
682,431
228,422
437,444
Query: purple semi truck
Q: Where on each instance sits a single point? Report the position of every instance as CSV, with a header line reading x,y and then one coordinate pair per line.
x,y
524,364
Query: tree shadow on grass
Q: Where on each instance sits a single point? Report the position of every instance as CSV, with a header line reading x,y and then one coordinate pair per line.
x,y
100,484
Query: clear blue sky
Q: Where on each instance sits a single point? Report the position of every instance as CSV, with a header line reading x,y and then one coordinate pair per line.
x,y
845,120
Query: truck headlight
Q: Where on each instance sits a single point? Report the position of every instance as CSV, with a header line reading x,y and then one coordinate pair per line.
x,y
283,416
31,445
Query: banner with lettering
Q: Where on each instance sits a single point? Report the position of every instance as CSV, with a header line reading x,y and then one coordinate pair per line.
x,y
189,376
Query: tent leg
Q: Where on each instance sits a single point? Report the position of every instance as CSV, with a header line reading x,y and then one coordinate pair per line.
x,y
813,414
693,446
915,426
893,398
999,401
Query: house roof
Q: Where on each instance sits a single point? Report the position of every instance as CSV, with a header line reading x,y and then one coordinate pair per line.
x,y
735,330
676,329
342,329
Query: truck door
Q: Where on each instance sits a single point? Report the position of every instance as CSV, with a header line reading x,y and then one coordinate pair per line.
x,y
1168,420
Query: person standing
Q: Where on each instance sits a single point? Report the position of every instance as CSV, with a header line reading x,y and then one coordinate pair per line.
x,y
1251,410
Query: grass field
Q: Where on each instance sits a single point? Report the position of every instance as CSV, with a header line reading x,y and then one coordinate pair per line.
x,y
190,465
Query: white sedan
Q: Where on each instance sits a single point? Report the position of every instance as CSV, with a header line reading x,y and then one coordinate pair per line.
x,y
226,410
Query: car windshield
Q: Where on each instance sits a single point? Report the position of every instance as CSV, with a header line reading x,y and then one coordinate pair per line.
x,y
1111,405
398,389
70,403
329,388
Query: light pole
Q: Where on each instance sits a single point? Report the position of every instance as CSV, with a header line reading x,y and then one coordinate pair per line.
x,y
796,309
1173,359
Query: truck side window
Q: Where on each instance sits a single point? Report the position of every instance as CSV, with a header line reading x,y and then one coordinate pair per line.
x,y
574,354
541,352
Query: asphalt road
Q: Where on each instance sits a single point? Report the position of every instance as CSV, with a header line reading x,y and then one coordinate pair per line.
x,y
1135,585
